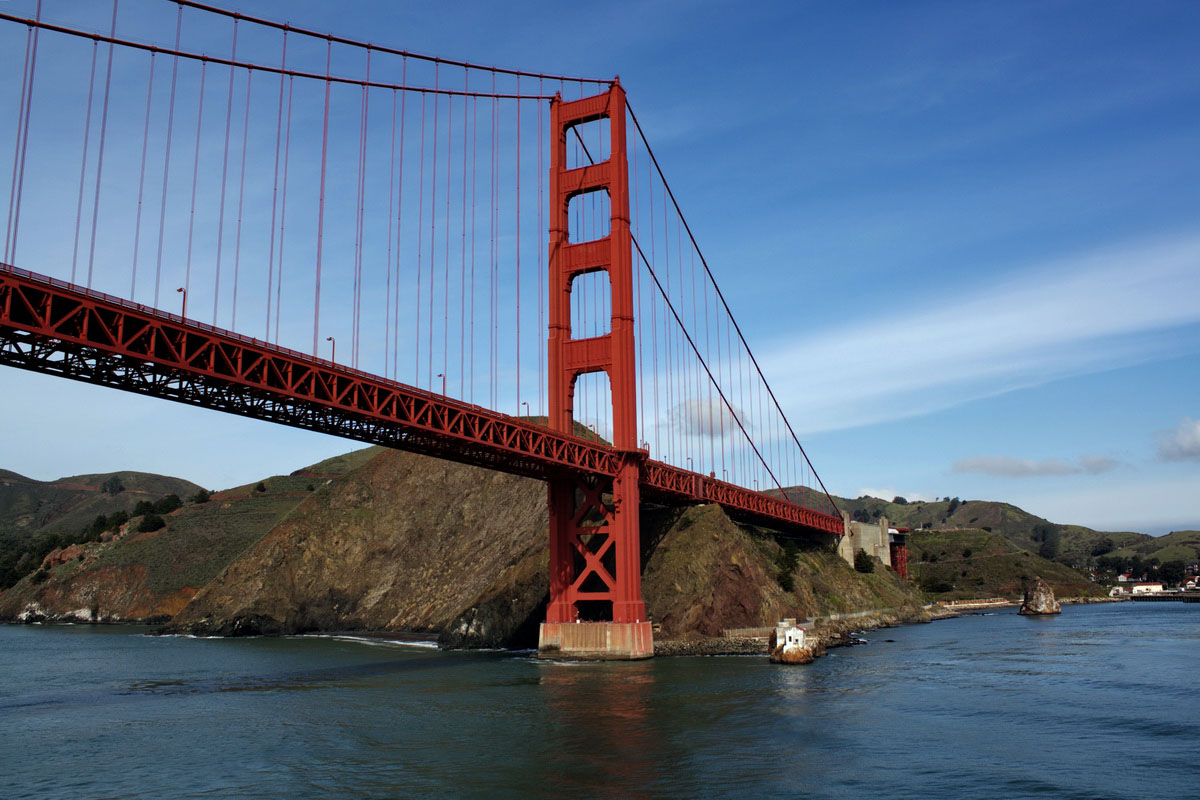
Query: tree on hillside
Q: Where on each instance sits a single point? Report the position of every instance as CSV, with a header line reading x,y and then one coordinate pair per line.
x,y
899,501
860,515
863,562
112,485
1172,572
1103,546
151,522
1049,537
167,504
201,496
954,503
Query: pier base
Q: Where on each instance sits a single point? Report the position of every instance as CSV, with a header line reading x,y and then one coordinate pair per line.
x,y
596,641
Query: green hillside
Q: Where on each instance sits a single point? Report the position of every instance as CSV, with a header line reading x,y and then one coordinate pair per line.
x,y
29,507
951,565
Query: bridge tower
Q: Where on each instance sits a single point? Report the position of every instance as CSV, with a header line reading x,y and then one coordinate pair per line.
x,y
596,608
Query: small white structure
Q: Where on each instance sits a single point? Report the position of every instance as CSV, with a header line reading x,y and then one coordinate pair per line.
x,y
1118,591
789,635
1147,588
1126,578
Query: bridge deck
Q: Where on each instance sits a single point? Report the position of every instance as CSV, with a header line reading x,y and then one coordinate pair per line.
x,y
51,326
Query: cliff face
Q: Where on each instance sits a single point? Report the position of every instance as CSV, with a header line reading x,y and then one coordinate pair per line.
x,y
380,540
404,542
149,576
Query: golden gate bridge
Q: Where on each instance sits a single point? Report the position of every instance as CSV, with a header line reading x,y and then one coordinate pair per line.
x,y
512,279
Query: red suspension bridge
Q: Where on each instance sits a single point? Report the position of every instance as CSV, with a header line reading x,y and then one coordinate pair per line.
x,y
498,252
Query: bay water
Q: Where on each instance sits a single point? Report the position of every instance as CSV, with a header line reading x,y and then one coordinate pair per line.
x,y
1099,702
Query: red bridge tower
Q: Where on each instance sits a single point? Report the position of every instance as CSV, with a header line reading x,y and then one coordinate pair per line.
x,y
596,607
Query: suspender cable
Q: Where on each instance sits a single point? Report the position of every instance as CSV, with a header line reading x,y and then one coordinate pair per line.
x,y
237,239
725,304
399,228
287,158
474,164
162,208
137,225
446,248
542,246
462,257
387,294
420,239
432,227
275,194
12,190
224,173
87,129
23,134
100,153
187,280
321,202
517,403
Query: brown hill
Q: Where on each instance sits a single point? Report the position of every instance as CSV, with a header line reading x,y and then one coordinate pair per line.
x,y
407,543
31,507
132,575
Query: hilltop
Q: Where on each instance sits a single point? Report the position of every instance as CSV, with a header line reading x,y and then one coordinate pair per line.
x,y
391,541
382,540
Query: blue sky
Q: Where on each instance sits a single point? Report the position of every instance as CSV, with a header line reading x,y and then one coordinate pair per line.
x,y
963,239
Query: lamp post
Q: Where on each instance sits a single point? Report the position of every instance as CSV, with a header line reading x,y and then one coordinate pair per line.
x,y
526,404
443,377
183,313
332,349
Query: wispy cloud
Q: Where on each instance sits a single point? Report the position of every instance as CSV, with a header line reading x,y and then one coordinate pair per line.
x,y
1181,443
1084,314
1008,467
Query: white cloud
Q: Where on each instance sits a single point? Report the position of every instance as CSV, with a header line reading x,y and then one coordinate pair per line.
x,y
1008,467
1181,443
1084,314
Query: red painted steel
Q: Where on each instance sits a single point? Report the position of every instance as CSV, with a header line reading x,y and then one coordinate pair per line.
x,y
595,543
51,326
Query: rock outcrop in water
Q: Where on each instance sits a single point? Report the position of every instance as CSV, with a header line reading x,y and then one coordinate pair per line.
x,y
1039,599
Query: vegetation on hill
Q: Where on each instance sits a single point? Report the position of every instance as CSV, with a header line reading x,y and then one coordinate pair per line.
x,y
149,561
960,564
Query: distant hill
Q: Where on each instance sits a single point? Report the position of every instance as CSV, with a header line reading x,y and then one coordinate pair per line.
x,y
1025,531
384,540
959,564
31,507
138,574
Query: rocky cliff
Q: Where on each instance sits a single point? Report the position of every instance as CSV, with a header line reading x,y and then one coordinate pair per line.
x,y
381,540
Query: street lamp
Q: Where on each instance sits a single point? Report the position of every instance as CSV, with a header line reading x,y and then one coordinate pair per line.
x,y
183,313
526,404
332,349
443,377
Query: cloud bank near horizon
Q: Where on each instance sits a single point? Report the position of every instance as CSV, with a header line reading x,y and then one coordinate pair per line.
x,y
1087,313
1008,467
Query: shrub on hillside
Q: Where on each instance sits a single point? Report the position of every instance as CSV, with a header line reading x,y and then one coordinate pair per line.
x,y
201,496
863,562
167,504
151,522
899,501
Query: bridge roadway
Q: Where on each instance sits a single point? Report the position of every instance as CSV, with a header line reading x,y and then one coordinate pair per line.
x,y
54,327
